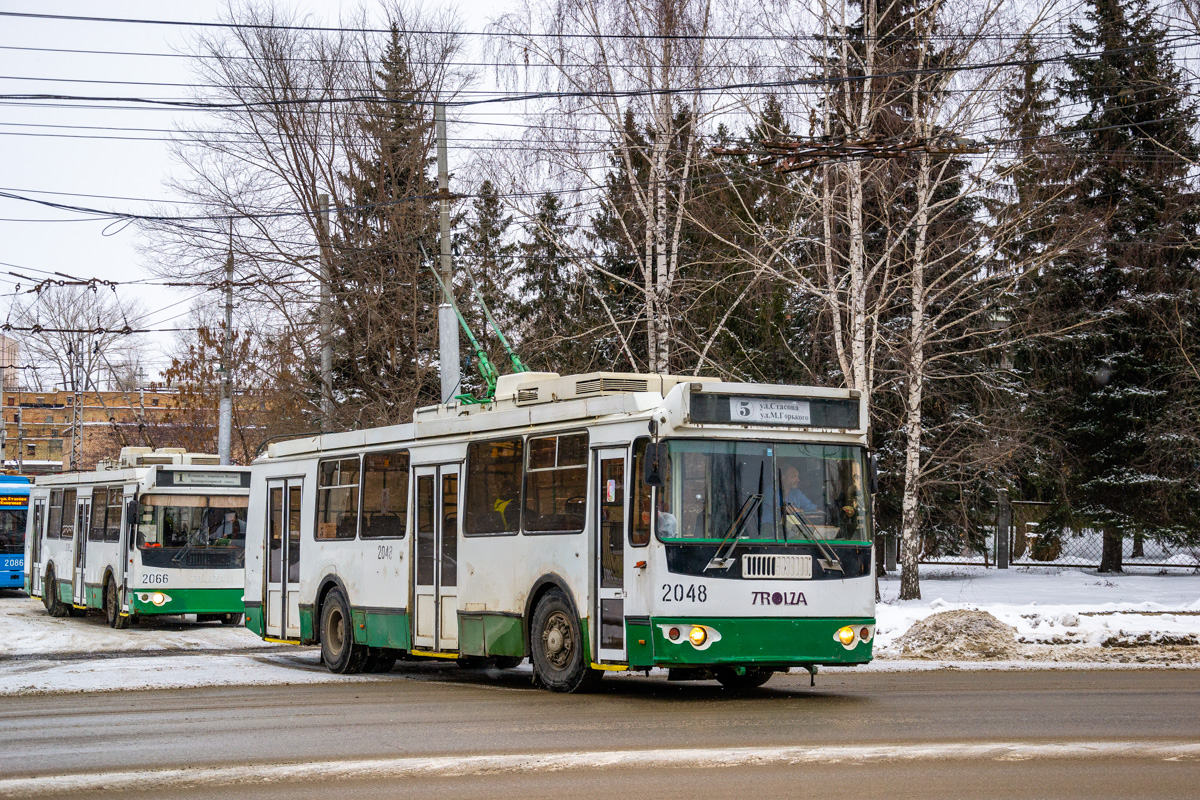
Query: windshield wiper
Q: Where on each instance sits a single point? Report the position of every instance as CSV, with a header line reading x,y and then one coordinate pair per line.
x,y
719,561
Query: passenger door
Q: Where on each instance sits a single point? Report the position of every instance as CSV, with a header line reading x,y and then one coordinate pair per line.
x,y
37,538
83,518
435,567
282,603
611,510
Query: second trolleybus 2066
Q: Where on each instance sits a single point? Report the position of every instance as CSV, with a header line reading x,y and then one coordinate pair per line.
x,y
14,506
596,522
158,532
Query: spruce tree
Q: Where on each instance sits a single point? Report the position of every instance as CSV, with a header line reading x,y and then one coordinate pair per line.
x,y
1116,390
385,297
486,256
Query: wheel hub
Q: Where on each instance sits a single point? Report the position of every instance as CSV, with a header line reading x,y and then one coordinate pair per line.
x,y
557,641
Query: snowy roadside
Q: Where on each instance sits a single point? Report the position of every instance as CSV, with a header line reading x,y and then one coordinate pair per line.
x,y
1043,615
971,618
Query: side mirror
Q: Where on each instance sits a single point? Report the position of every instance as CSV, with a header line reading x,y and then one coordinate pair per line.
x,y
652,473
131,509
873,473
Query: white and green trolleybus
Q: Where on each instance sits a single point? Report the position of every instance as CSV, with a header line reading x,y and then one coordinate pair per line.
x,y
590,523
157,532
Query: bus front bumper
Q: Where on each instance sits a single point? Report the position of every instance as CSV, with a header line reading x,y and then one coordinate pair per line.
x,y
749,641
186,601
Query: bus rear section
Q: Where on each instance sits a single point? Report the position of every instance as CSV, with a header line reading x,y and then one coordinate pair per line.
x,y
14,510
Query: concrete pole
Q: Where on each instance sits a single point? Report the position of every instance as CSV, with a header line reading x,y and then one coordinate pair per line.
x,y
1003,519
326,316
447,322
225,424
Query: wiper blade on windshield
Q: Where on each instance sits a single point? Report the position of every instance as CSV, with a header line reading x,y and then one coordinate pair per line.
x,y
719,561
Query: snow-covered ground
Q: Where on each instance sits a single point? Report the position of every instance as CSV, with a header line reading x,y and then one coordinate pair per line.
x,y
1039,616
1057,613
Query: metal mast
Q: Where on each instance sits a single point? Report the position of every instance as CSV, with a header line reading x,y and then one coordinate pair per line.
x,y
447,318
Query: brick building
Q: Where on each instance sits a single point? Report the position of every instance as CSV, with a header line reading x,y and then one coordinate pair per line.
x,y
36,435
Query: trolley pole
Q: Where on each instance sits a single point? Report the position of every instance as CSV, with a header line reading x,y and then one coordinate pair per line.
x,y
326,313
447,322
225,424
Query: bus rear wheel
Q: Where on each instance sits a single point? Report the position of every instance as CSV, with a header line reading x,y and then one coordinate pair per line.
x,y
55,607
557,648
112,607
748,678
338,650
232,619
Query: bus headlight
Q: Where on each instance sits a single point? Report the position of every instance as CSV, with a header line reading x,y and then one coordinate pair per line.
x,y
698,636
157,598
845,636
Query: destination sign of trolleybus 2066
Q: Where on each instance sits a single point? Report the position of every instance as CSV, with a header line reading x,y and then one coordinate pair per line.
x,y
591,523
157,532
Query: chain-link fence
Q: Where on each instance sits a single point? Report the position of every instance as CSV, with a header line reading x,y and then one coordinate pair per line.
x,y
1032,544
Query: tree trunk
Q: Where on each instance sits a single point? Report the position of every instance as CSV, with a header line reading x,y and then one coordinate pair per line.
x,y
1137,551
1112,555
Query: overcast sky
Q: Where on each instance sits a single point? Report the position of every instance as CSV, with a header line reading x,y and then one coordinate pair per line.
x,y
107,169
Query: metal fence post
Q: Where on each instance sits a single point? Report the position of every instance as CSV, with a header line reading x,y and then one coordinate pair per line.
x,y
1003,520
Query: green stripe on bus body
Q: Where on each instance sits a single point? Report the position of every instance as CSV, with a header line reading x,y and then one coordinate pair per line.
x,y
380,627
490,635
747,640
254,620
188,601
95,596
66,592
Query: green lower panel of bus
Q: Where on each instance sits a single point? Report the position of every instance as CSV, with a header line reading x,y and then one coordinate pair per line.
x,y
374,627
493,634
746,640
254,618
187,601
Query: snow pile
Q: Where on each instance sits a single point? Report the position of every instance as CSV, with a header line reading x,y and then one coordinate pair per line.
x,y
1053,614
959,636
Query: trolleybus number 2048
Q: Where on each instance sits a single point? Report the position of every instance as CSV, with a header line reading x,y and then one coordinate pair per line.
x,y
678,592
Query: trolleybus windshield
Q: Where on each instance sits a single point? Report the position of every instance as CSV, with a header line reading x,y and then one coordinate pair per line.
x,y
193,524
766,491
12,525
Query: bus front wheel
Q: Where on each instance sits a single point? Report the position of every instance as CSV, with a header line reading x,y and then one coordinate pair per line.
x,y
112,607
557,648
338,650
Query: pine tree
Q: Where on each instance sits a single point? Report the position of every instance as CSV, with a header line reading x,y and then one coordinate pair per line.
x,y
487,258
386,299
1118,398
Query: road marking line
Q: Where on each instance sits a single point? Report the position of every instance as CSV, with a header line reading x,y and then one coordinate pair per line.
x,y
445,766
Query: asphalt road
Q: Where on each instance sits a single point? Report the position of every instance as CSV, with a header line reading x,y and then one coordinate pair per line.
x,y
438,729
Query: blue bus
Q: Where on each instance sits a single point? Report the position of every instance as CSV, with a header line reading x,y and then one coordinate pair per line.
x,y
14,508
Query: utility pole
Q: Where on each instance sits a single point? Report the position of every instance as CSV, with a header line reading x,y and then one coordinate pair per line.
x,y
225,423
20,438
326,314
447,322
77,407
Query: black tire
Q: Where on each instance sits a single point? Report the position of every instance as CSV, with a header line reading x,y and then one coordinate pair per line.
x,y
232,619
55,607
338,650
112,607
557,648
379,660
507,662
752,678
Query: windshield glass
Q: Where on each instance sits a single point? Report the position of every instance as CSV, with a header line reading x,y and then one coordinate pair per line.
x,y
12,531
192,521
765,491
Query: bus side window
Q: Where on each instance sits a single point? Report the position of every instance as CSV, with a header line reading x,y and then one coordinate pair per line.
x,y
385,495
493,503
112,527
54,528
99,506
639,518
68,513
556,483
337,498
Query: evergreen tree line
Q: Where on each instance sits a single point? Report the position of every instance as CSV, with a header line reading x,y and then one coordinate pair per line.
x,y
1021,308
